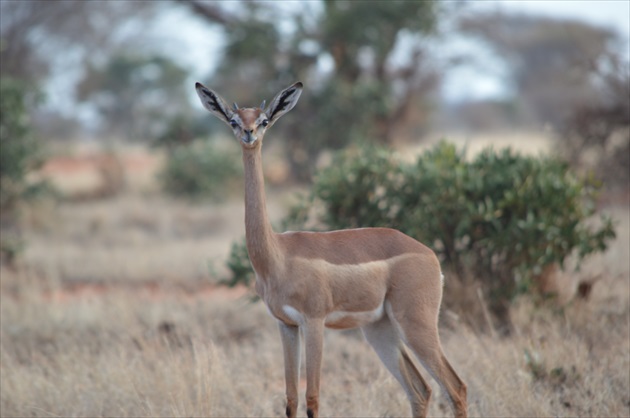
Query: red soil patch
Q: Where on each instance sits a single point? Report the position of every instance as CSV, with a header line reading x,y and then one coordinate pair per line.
x,y
99,174
147,291
131,162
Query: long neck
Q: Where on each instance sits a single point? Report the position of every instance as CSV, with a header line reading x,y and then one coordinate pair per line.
x,y
261,242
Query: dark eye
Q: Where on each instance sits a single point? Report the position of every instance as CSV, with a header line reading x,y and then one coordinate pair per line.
x,y
234,124
264,123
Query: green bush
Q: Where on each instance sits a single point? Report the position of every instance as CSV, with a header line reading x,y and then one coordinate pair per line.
x,y
199,170
239,265
20,154
500,218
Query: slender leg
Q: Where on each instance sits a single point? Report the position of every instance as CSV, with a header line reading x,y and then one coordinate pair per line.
x,y
420,332
419,405
291,347
314,342
385,340
436,363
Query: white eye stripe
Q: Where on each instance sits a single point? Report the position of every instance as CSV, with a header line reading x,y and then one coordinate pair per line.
x,y
235,122
262,120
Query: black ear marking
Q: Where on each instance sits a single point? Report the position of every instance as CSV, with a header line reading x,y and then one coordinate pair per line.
x,y
215,104
208,92
217,107
282,102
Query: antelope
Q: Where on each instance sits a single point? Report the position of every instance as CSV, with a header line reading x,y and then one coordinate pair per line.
x,y
378,279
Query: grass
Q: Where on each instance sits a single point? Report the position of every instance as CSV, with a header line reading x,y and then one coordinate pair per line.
x,y
146,339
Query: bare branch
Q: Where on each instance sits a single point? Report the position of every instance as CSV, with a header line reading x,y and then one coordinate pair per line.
x,y
210,12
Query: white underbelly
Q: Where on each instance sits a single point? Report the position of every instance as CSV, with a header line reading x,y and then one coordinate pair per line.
x,y
339,319
343,319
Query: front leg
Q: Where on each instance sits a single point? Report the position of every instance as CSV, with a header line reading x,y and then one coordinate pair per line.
x,y
291,348
314,340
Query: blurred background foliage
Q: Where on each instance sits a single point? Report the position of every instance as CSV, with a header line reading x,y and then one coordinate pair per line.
x,y
139,95
21,154
344,52
374,72
113,72
220,167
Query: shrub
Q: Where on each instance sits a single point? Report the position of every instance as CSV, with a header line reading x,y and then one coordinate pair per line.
x,y
500,218
20,154
239,265
200,169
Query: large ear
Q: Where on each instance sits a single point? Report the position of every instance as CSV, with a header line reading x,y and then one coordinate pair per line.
x,y
283,102
214,103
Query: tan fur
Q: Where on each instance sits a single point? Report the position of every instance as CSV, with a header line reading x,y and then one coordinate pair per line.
x,y
378,279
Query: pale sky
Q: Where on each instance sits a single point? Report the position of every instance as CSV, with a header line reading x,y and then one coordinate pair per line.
x,y
471,83
607,13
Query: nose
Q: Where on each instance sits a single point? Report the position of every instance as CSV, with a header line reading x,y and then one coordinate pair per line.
x,y
249,137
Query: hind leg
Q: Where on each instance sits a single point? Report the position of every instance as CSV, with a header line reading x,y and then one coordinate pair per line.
x,y
384,338
420,332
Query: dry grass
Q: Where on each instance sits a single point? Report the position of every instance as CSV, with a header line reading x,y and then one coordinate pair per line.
x,y
133,237
167,347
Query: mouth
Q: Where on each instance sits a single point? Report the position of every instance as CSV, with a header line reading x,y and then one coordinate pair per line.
x,y
248,139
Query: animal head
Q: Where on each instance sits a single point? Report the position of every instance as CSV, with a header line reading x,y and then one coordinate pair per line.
x,y
250,124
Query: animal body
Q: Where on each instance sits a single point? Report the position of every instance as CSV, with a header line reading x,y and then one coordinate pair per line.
x,y
378,279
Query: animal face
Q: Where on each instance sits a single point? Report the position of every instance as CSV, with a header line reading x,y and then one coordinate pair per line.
x,y
250,124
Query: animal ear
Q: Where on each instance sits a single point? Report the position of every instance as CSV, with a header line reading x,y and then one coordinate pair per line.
x,y
214,103
283,102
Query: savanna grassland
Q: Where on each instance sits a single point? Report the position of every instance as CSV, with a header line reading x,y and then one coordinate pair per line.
x,y
113,310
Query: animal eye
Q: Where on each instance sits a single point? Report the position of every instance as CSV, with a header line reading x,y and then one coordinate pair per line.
x,y
264,122
234,124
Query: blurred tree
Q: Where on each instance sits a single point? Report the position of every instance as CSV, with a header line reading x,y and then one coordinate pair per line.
x,y
596,136
20,154
551,60
42,40
33,33
364,62
137,96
